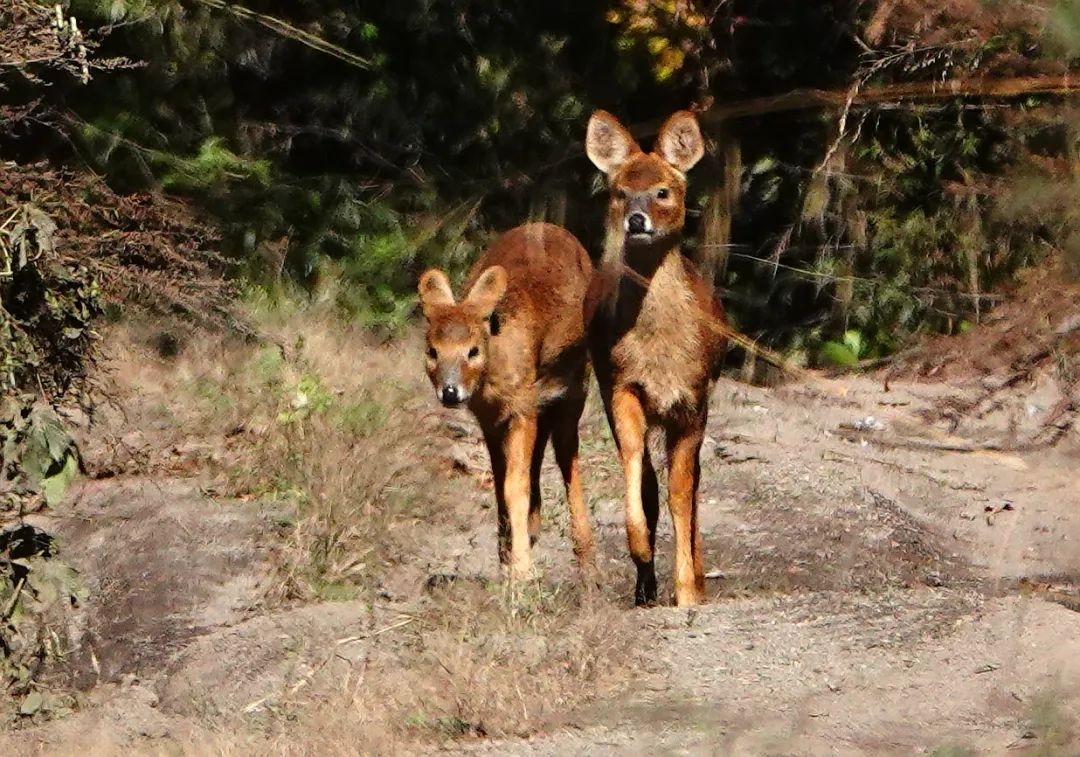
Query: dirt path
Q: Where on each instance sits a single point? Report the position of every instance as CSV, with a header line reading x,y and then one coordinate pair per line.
x,y
866,597
826,674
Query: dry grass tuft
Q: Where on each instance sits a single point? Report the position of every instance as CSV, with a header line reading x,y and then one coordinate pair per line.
x,y
480,661
318,418
499,662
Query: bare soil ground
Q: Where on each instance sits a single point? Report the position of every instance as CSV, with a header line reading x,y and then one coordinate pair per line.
x,y
891,572
871,600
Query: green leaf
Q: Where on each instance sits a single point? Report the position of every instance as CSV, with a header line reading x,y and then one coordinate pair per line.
x,y
763,165
32,703
57,580
838,354
47,444
853,340
35,460
56,485
57,441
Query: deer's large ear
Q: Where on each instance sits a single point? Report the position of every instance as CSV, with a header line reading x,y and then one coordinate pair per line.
x,y
680,142
434,290
488,290
607,142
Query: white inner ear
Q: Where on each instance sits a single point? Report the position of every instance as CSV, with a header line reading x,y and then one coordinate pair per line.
x,y
682,146
606,145
489,288
436,290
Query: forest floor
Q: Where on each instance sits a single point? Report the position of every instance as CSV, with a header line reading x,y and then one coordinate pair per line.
x,y
894,563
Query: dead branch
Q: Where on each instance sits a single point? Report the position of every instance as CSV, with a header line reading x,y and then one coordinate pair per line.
x,y
289,31
951,444
910,470
897,93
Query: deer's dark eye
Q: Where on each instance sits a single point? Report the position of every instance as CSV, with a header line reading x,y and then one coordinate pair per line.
x,y
662,193
474,353
620,193
431,353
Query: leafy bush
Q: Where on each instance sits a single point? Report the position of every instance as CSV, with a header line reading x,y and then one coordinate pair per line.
x,y
38,458
344,149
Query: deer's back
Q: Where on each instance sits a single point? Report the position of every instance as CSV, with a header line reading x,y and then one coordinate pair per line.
x,y
540,338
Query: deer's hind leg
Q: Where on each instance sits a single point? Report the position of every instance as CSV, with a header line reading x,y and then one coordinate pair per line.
x,y
543,433
494,438
565,441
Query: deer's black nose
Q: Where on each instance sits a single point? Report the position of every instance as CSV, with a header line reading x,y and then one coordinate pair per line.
x,y
451,394
637,223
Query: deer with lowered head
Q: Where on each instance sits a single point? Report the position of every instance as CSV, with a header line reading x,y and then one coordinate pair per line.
x,y
513,351
655,335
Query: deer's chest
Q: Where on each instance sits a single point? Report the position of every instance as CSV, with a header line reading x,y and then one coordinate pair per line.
x,y
661,351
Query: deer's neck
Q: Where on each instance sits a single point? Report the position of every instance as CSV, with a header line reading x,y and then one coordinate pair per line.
x,y
622,258
631,271
647,259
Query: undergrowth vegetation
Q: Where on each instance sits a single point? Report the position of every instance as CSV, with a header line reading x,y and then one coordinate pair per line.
x,y
362,145
322,418
484,661
475,661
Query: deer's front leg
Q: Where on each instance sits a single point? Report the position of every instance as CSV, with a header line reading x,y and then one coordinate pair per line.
x,y
683,477
628,423
517,452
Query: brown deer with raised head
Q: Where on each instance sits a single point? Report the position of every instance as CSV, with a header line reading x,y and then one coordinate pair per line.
x,y
513,351
655,337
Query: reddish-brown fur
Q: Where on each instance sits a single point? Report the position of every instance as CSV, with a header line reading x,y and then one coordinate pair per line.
x,y
654,333
514,352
